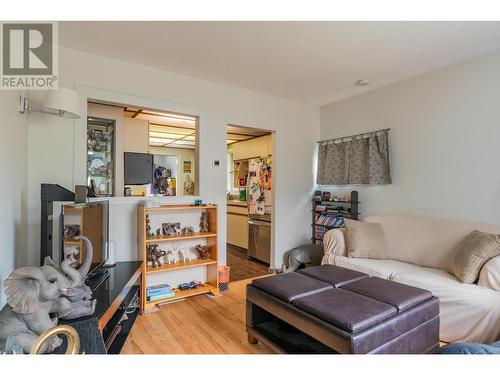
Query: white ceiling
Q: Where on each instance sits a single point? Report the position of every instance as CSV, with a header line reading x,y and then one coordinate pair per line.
x,y
313,62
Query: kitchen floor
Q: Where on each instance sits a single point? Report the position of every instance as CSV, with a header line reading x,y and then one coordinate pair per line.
x,y
241,267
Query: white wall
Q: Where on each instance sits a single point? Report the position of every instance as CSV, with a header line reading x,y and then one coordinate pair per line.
x,y
445,141
296,125
13,185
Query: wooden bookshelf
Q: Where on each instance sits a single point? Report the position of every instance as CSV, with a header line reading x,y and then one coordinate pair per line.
x,y
89,219
180,237
180,294
210,264
181,265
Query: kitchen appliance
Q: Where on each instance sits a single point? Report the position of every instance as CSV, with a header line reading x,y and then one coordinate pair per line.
x,y
259,237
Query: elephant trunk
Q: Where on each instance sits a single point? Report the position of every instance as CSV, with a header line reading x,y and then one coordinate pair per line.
x,y
85,267
71,273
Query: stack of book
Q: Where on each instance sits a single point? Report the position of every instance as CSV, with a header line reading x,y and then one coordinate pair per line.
x,y
330,221
158,292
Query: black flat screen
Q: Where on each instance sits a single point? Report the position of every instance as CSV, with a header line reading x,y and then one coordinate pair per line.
x,y
138,168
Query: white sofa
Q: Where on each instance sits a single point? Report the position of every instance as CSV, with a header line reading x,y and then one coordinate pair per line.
x,y
419,250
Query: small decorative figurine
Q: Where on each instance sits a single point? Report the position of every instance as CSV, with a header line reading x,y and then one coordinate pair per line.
x,y
204,222
188,186
203,251
169,257
154,254
190,285
187,230
176,251
158,232
183,255
148,226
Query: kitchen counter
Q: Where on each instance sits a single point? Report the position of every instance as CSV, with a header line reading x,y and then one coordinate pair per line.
x,y
237,203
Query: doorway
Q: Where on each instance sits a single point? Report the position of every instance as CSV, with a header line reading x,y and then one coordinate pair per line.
x,y
249,201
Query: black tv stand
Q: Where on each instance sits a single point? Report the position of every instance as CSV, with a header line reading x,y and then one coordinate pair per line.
x,y
97,272
115,291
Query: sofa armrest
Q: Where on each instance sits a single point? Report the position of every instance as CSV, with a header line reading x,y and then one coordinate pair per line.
x,y
489,277
334,242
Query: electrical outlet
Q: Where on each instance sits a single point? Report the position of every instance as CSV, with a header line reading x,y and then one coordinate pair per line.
x,y
215,163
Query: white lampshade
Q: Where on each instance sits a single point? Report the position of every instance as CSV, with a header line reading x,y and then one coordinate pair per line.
x,y
63,102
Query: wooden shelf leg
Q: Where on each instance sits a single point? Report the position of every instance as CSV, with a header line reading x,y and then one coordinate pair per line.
x,y
252,339
215,292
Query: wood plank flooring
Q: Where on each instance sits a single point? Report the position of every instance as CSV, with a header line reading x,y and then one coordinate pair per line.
x,y
198,325
241,267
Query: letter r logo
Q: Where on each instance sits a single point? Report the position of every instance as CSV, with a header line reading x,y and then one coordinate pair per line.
x,y
27,49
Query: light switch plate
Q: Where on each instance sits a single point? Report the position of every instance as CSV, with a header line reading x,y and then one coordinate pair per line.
x,y
215,163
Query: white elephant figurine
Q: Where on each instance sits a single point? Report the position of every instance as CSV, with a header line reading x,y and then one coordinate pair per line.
x,y
169,257
33,293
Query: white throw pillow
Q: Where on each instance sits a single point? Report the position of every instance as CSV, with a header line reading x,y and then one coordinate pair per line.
x,y
490,274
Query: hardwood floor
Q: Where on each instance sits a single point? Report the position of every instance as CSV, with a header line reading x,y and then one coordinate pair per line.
x,y
198,325
241,267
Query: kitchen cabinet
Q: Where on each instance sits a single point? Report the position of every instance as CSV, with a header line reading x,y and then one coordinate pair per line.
x,y
237,225
261,146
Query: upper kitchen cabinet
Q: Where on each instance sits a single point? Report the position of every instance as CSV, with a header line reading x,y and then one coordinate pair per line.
x,y
260,146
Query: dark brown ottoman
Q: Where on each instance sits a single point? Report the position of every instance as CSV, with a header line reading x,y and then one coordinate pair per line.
x,y
329,309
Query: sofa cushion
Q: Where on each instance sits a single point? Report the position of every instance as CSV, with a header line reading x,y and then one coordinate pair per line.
x,y
489,277
468,312
289,286
364,240
472,253
401,296
336,276
349,311
384,269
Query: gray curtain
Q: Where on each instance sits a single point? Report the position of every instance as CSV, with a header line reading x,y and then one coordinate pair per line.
x,y
362,160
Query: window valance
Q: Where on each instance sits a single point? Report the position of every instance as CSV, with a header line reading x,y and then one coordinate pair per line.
x,y
359,159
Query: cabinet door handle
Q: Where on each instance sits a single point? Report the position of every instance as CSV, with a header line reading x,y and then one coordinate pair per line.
x,y
259,223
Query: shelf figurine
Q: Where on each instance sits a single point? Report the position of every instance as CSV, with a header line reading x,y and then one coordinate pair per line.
x,y
187,230
154,254
183,255
204,222
169,257
203,251
148,226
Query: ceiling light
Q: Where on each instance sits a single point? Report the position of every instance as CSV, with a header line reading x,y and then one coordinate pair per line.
x,y
363,82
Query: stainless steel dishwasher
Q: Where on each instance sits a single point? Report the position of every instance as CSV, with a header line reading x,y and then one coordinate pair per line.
x,y
259,237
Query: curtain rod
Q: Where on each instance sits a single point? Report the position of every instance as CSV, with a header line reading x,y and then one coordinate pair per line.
x,y
354,136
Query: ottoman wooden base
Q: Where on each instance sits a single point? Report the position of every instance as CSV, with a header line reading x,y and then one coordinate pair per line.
x,y
399,318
